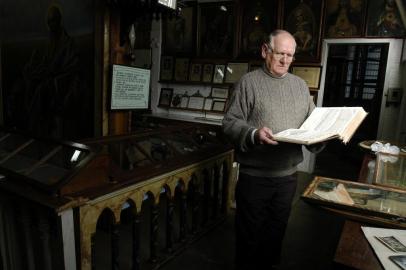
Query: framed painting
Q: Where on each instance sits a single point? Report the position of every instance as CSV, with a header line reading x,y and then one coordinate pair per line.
x,y
218,105
302,18
166,71
32,74
195,73
181,69
234,71
178,34
311,75
257,19
384,19
207,75
218,76
344,18
217,92
216,29
165,97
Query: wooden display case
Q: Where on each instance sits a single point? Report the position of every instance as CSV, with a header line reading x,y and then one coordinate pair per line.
x,y
367,203
70,205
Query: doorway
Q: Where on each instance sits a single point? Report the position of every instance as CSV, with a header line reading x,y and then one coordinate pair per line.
x,y
355,75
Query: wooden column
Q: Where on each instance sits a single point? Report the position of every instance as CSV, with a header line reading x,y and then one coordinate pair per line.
x,y
154,233
43,228
169,225
136,243
115,247
182,216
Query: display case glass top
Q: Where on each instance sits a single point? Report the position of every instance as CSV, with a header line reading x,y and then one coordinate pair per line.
x,y
44,163
363,200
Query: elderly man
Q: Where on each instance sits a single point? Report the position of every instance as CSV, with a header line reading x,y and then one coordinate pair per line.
x,y
266,101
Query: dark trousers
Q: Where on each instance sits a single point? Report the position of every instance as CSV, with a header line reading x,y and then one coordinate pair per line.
x,y
262,213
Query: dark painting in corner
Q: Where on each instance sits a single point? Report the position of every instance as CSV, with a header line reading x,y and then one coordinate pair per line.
x,y
47,65
384,19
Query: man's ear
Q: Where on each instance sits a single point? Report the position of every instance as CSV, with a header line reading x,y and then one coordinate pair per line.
x,y
264,50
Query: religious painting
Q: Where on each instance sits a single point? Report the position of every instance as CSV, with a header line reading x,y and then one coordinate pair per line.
x,y
384,19
302,18
178,35
344,18
258,19
216,29
48,67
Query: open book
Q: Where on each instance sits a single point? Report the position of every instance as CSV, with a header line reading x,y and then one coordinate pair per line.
x,y
323,124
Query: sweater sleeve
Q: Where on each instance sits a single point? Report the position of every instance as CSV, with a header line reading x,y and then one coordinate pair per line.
x,y
235,125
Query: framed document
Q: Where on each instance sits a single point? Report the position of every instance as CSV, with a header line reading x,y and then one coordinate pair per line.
x,y
166,72
176,101
234,71
218,76
184,101
181,69
207,75
195,74
196,103
208,103
311,75
218,105
217,92
129,88
165,97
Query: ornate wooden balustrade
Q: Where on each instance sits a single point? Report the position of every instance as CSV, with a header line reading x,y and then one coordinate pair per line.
x,y
132,202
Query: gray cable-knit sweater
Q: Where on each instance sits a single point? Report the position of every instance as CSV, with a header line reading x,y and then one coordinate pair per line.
x,y
260,99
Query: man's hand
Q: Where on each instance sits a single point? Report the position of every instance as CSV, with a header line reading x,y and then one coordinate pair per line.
x,y
264,135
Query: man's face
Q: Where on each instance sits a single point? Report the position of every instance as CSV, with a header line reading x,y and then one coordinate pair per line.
x,y
278,59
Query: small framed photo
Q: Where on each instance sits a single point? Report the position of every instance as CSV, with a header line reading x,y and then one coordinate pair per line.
x,y
181,69
399,260
392,243
196,103
165,97
208,103
195,74
218,76
218,105
217,92
167,64
184,101
234,71
176,101
207,73
311,75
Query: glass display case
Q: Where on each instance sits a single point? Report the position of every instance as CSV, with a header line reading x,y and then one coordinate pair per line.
x,y
57,197
390,170
366,202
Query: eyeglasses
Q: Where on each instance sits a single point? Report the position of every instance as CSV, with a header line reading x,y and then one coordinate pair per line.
x,y
279,55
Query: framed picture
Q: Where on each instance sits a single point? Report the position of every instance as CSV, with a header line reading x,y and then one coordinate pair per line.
x,y
165,97
181,69
176,101
195,73
257,19
216,29
234,71
344,19
178,34
208,103
218,76
184,100
207,75
196,103
311,75
384,19
217,92
303,18
218,105
166,71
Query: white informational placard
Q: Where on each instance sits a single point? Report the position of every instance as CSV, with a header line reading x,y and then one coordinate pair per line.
x,y
130,88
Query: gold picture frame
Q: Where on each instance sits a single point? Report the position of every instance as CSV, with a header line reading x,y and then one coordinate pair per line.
x,y
311,75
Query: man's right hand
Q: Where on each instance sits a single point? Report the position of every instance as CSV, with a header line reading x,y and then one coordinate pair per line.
x,y
264,135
